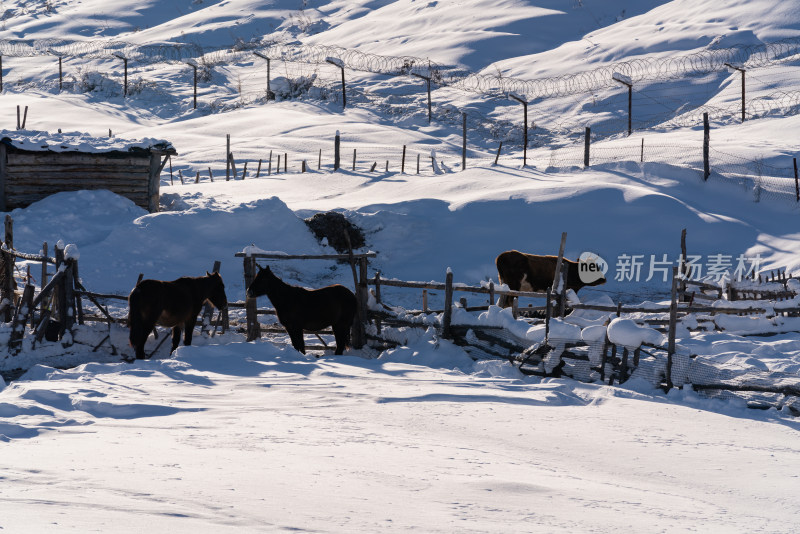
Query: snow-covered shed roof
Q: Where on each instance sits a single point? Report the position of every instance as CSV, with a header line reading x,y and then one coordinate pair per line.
x,y
81,142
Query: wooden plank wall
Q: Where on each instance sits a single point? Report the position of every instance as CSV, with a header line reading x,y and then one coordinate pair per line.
x,y
31,176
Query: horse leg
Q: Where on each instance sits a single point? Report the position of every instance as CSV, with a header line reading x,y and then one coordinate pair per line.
x,y
176,338
187,335
140,331
296,335
342,334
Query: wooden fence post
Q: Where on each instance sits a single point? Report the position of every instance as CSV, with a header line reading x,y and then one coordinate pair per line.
x,y
251,306
586,145
673,320
125,83
43,281
796,183
269,166
497,157
194,66
76,281
285,162
60,303
547,313
354,159
21,316
68,300
463,141
448,305
559,261
358,332
362,302
682,268
232,165
418,163
623,366
403,161
706,147
563,298
8,260
378,324
227,157
337,146
3,156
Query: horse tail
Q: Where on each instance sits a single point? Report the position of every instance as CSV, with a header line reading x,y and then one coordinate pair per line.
x,y
135,320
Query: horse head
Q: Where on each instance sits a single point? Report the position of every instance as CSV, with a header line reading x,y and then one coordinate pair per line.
x,y
217,291
261,282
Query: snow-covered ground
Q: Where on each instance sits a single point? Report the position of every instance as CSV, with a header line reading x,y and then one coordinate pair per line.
x,y
254,437
229,435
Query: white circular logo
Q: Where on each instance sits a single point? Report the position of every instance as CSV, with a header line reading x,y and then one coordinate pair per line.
x,y
591,267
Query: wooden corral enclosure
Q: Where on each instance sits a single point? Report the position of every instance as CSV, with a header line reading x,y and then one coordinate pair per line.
x,y
28,175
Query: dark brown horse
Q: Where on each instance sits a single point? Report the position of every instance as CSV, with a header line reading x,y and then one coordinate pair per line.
x,y
301,309
173,304
531,272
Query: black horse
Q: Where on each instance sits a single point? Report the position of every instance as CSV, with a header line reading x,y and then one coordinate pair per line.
x,y
301,309
173,304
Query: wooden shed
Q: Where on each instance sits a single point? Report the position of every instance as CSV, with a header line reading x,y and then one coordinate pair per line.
x,y
33,168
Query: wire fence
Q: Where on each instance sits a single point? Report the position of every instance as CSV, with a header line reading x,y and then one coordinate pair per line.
x,y
710,60
758,386
763,179
669,92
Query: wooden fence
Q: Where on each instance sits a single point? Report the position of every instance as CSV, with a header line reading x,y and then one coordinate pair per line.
x,y
58,306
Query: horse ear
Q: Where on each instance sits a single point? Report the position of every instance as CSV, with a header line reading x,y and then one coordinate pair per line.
x,y
208,273
260,268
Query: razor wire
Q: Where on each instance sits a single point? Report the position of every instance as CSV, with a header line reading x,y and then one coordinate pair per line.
x,y
702,62
639,69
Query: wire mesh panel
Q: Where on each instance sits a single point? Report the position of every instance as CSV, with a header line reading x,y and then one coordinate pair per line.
x,y
755,385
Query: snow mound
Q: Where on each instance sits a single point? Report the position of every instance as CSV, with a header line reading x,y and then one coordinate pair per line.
x,y
627,333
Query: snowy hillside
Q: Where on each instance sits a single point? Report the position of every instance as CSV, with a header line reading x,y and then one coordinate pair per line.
x,y
253,436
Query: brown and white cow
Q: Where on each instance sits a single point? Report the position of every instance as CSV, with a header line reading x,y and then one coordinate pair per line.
x,y
531,272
